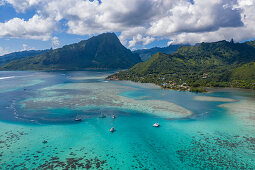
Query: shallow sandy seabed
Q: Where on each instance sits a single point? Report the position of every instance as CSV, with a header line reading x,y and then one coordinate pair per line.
x,y
4,89
213,99
101,95
244,110
221,142
86,77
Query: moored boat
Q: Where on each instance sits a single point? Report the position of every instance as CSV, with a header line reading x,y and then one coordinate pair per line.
x,y
77,118
113,116
112,129
156,125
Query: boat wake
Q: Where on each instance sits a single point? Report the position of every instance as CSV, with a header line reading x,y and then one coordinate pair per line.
x,y
10,77
16,114
13,108
2,78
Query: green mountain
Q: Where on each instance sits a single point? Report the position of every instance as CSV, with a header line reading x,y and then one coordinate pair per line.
x,y
145,54
218,64
251,43
19,55
244,72
100,52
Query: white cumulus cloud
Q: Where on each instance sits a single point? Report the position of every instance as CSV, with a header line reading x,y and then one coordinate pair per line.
x,y
140,39
36,27
3,51
138,21
25,47
55,42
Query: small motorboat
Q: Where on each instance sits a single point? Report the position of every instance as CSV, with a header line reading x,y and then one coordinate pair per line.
x,y
156,125
113,116
112,129
77,119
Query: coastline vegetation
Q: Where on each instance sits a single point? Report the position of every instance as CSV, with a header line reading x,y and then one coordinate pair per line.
x,y
193,68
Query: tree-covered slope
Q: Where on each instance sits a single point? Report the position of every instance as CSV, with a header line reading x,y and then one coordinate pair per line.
x,y
208,64
217,53
251,43
19,55
145,54
244,72
100,52
161,63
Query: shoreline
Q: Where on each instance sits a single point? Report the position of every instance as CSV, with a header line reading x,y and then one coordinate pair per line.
x,y
208,90
226,89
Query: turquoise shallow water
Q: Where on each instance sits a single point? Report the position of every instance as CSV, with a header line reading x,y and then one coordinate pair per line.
x,y
41,106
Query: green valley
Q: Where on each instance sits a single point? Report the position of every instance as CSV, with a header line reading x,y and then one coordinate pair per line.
x,y
146,54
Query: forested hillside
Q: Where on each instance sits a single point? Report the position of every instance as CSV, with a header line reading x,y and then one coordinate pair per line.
x,y
218,64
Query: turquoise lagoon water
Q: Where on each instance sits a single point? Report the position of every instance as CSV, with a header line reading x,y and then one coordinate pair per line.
x,y
41,106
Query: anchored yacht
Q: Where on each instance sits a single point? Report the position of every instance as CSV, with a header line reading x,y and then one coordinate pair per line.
x,y
156,125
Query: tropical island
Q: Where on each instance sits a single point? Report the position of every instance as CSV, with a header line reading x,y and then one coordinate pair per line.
x,y
193,68
127,84
178,67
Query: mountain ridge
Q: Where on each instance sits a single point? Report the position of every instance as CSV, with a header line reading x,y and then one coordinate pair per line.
x,y
99,52
4,59
146,54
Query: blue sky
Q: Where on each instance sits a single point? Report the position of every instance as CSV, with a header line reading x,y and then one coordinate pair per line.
x,y
8,12
43,24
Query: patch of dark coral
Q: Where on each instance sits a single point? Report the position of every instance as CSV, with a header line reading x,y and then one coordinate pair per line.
x,y
73,163
223,152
